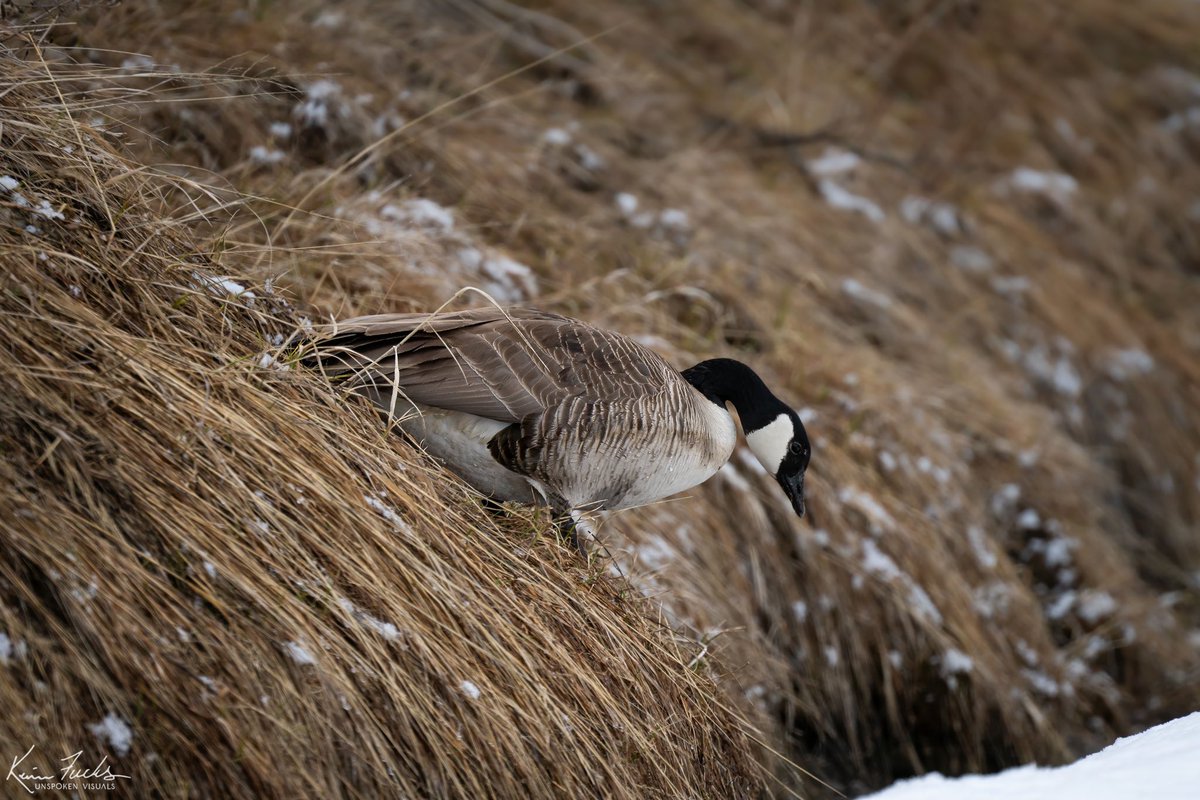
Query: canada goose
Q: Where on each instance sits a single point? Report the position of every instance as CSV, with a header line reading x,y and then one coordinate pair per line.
x,y
534,407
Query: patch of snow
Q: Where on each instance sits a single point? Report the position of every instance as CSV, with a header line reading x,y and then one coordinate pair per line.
x,y
1042,683
1121,365
115,732
261,155
952,663
992,599
655,553
385,629
853,288
674,219
1182,120
329,20
923,604
280,130
1011,285
137,62
832,657
1062,605
556,137
627,203
980,546
834,161
800,610
1096,605
44,209
224,286
589,159
956,662
942,217
971,259
878,562
1056,551
420,212
470,690
877,516
845,200
1029,520
1057,185
512,281
299,654
1158,763
8,182
887,461
314,109
388,513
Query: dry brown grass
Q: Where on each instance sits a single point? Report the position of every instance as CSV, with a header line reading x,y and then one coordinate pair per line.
x,y
928,402
180,510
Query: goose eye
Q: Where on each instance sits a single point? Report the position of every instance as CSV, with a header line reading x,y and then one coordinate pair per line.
x,y
795,448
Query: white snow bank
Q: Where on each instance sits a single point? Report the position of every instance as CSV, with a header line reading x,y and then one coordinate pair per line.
x,y
1160,763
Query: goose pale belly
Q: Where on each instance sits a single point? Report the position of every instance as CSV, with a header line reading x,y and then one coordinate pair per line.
x,y
459,440
587,471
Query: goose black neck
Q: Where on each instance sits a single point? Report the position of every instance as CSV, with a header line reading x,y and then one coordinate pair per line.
x,y
723,380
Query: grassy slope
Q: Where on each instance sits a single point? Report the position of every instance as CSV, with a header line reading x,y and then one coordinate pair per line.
x,y
842,656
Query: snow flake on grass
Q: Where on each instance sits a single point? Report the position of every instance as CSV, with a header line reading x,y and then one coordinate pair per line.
x,y
11,651
878,562
857,291
942,217
321,98
992,599
556,137
261,155
878,518
800,610
971,259
422,213
224,286
981,547
44,209
385,629
952,663
115,732
280,130
1056,185
834,161
843,199
1029,520
388,513
1123,365
470,690
656,552
1095,606
8,183
299,654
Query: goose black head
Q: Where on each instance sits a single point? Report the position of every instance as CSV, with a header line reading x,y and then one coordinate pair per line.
x,y
781,446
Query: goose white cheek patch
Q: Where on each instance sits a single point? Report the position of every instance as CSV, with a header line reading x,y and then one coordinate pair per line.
x,y
770,442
